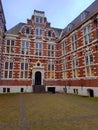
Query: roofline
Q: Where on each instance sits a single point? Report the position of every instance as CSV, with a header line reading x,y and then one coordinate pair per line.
x,y
77,26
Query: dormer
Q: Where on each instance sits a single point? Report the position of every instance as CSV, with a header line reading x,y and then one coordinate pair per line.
x,y
70,26
84,15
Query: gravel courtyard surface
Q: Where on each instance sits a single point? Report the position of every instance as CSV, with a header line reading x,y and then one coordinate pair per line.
x,y
48,112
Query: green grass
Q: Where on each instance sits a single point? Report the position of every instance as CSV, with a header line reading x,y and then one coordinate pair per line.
x,y
48,112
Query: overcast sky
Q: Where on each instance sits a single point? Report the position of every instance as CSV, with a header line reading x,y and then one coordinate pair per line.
x,y
58,12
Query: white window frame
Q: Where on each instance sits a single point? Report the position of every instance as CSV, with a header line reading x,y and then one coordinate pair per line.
x,y
24,70
38,31
25,47
38,48
38,19
8,69
87,34
64,50
51,48
74,42
89,65
51,70
10,46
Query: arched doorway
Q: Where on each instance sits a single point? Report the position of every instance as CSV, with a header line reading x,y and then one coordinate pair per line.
x,y
38,77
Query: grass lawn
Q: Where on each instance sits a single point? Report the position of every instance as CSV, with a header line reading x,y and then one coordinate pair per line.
x,y
48,112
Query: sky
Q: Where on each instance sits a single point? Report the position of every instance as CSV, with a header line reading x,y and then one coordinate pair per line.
x,y
58,12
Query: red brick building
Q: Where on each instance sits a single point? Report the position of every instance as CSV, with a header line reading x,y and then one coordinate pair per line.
x,y
37,57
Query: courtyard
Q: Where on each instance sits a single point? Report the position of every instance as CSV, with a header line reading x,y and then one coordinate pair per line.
x,y
48,112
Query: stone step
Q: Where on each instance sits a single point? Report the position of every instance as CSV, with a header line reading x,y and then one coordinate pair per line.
x,y
38,88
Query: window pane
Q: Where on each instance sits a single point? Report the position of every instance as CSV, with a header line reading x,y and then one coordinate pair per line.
x,y
52,47
8,49
4,90
41,20
52,67
11,65
49,67
8,42
10,74
36,19
36,31
26,74
40,46
6,74
21,74
91,58
22,66
6,65
26,66
12,49
48,46
49,33
27,30
12,43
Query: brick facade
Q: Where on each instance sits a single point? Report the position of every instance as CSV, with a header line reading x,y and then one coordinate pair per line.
x,y
35,53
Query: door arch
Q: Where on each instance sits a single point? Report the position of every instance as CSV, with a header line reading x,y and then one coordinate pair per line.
x,y
38,77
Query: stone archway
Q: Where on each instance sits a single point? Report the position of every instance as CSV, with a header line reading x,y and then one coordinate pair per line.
x,y
38,77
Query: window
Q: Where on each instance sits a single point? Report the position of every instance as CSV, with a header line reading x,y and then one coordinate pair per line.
x,y
74,66
75,63
49,33
39,20
64,69
74,42
84,15
8,69
6,90
51,73
27,30
64,48
38,49
70,26
24,69
89,59
87,34
89,69
22,90
75,91
50,50
38,31
10,46
25,48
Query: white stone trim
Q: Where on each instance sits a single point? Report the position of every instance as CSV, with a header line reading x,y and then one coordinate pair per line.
x,y
17,89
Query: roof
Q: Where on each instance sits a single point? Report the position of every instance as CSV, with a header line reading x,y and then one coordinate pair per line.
x,y
90,10
15,29
57,31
